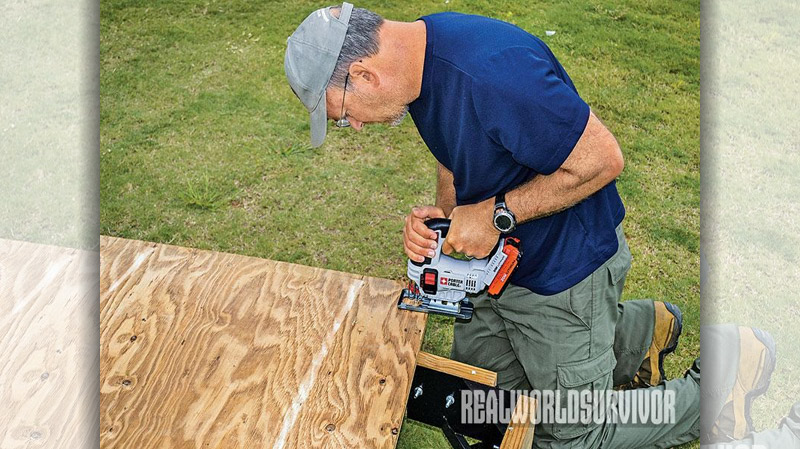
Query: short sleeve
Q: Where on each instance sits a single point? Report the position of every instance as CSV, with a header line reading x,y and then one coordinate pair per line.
x,y
524,106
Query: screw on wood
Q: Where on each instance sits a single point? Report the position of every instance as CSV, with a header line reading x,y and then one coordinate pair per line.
x,y
330,427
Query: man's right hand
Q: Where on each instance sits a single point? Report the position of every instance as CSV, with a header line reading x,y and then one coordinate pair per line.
x,y
419,241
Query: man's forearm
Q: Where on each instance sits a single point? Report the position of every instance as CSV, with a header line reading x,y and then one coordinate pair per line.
x,y
445,190
595,161
547,195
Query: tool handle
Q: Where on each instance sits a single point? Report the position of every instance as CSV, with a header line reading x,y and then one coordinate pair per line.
x,y
440,225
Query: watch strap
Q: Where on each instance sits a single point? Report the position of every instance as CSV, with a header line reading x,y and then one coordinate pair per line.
x,y
500,201
500,208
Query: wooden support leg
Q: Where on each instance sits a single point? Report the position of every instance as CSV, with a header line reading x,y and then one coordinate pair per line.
x,y
519,434
435,399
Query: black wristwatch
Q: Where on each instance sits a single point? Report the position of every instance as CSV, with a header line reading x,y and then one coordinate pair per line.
x,y
504,219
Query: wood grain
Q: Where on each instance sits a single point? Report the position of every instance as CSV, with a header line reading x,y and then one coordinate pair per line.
x,y
458,369
519,434
204,349
48,346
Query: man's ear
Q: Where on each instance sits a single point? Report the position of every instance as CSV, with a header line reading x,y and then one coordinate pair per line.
x,y
364,76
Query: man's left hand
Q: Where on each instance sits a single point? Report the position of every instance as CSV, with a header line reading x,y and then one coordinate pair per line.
x,y
472,231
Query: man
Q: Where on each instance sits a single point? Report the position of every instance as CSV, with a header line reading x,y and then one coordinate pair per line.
x,y
519,153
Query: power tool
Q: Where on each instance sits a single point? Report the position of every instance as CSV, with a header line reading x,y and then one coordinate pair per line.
x,y
440,284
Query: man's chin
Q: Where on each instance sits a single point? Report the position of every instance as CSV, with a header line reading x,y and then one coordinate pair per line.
x,y
398,119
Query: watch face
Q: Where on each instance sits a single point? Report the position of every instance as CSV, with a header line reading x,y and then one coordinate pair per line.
x,y
502,222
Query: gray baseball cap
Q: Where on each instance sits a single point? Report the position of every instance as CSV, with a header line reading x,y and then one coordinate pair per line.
x,y
311,54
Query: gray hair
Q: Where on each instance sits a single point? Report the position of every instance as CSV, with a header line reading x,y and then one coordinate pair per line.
x,y
361,41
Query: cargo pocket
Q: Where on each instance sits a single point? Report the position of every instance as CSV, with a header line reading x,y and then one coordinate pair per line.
x,y
593,374
619,265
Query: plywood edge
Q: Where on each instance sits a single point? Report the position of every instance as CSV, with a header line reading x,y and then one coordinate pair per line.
x,y
9,244
519,433
454,368
107,240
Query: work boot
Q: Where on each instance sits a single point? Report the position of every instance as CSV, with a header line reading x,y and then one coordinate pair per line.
x,y
756,363
666,332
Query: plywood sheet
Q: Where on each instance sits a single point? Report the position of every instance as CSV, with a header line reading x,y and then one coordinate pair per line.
x,y
48,346
202,350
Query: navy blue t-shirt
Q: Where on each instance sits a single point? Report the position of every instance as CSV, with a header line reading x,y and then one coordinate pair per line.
x,y
497,109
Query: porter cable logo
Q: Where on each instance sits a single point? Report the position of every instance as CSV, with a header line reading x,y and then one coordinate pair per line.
x,y
644,406
452,282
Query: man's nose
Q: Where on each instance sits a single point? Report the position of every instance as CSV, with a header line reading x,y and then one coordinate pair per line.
x,y
355,124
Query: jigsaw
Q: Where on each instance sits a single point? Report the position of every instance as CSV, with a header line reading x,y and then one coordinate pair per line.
x,y
440,284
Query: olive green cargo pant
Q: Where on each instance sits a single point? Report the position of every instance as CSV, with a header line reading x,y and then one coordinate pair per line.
x,y
582,338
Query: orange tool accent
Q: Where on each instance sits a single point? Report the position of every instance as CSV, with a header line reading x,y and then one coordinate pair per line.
x,y
511,250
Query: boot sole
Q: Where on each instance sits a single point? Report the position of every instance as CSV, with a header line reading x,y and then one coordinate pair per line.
x,y
763,384
676,312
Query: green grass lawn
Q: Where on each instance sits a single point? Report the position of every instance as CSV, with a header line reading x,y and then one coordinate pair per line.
x,y
204,145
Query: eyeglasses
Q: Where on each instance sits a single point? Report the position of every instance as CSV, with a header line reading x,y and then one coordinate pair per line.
x,y
343,122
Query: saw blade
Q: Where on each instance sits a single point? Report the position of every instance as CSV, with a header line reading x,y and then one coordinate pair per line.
x,y
411,299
